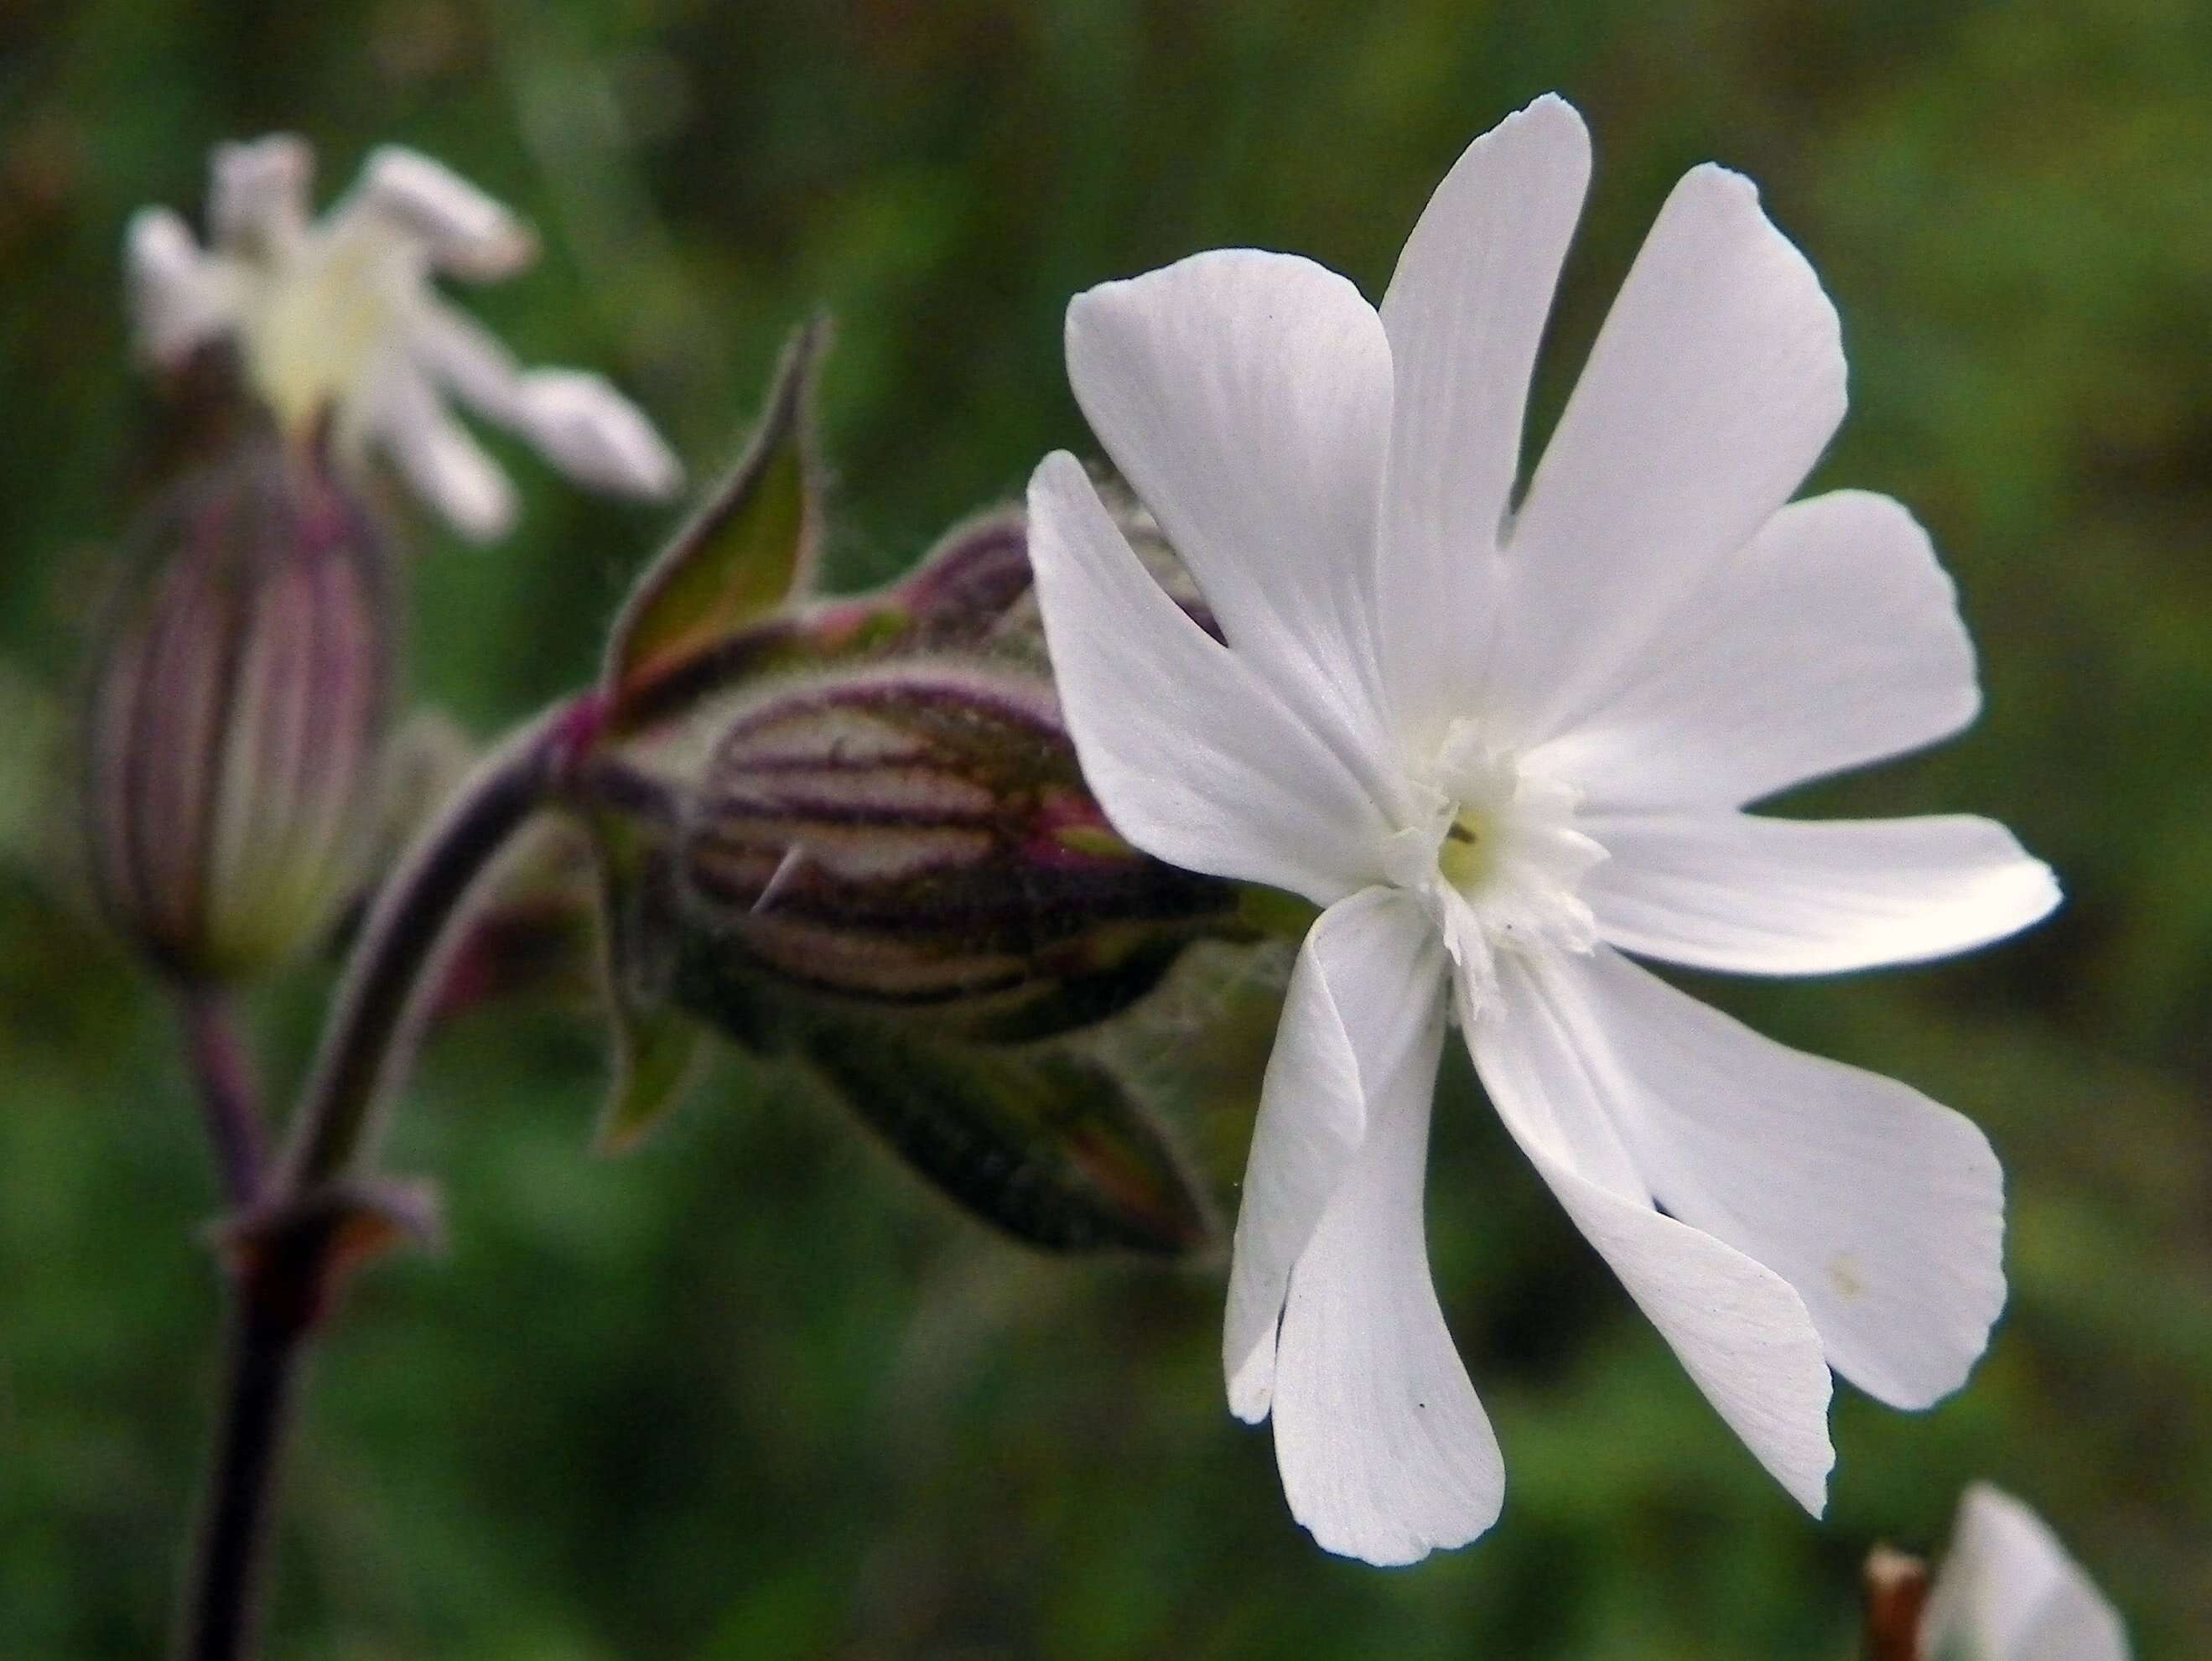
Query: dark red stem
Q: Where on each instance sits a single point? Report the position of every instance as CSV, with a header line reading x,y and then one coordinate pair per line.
x,y
297,1224
267,1348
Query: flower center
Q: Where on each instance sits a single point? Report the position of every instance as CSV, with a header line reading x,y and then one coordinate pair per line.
x,y
1469,854
1500,864
318,316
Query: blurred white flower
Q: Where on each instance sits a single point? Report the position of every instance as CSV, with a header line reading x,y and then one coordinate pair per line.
x,y
2009,1592
342,314
1504,745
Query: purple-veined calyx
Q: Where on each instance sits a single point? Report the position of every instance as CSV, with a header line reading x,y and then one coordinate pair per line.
x,y
235,721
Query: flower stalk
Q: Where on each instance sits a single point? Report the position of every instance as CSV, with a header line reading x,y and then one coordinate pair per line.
x,y
849,831
379,1009
235,725
266,1353
230,1096
295,1234
1896,1588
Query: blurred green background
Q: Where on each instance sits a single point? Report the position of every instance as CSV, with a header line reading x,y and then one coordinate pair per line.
x,y
754,1391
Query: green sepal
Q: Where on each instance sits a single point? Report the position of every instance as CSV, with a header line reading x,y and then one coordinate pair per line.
x,y
743,556
660,1055
1042,1143
658,1051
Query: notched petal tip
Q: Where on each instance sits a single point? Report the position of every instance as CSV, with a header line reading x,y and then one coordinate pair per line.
x,y
1195,283
1391,1548
1252,1380
1060,482
2042,892
1719,177
466,231
156,241
179,298
1814,1496
596,436
277,157
1551,112
1733,198
1742,1330
259,188
450,471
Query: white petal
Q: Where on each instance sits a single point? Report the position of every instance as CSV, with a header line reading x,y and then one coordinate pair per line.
x,y
1831,641
462,230
1715,382
2009,1591
1738,1328
1385,1453
1193,756
258,194
443,465
1464,314
1884,1210
1794,897
459,354
1246,397
576,420
590,432
179,299
1573,1127
1360,1021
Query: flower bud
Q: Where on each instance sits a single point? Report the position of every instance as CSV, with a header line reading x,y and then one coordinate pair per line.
x,y
973,590
915,840
235,724
975,593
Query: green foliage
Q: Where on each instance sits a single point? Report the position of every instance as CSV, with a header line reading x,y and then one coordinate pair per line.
x,y
756,1392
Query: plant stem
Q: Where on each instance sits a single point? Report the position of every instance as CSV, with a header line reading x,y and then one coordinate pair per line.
x,y
379,1008
299,1222
230,1098
265,1361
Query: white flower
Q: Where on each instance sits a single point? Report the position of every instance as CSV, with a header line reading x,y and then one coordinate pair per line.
x,y
1505,745
342,314
2009,1592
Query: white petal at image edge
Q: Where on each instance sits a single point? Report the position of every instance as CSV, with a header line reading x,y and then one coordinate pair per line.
x,y
2009,1591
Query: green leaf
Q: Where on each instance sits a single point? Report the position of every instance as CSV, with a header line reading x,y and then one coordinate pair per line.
x,y
1042,1143
740,559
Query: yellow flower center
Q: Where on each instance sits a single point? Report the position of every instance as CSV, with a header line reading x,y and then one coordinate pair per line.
x,y
317,314
1468,852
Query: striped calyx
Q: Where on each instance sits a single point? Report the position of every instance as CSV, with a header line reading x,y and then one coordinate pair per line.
x,y
915,840
235,723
